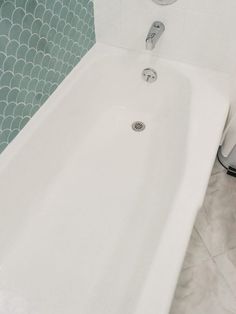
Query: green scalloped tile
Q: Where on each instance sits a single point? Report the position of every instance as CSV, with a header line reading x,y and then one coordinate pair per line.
x,y
5,26
6,78
18,16
12,135
40,43
28,21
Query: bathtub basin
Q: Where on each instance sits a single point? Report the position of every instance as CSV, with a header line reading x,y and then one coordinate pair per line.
x,y
95,217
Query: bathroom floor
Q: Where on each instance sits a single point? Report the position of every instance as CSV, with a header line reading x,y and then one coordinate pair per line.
x,y
207,283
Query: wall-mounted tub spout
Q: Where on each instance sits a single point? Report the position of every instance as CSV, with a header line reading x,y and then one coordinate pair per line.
x,y
154,34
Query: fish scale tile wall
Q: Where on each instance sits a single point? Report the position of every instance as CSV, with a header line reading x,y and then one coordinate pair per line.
x,y
40,43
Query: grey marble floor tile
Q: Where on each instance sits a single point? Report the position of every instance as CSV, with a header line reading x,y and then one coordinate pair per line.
x,y
196,252
216,221
202,290
226,264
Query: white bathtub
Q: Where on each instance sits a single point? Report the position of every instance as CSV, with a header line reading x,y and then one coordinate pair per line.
x,y
95,218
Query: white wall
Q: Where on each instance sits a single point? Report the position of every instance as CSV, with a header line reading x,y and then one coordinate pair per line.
x,y
200,32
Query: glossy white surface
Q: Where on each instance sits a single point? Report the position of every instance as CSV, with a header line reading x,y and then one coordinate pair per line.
x,y
200,32
95,218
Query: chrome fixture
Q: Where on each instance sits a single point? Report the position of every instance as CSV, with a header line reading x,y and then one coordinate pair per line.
x,y
154,34
138,126
164,2
149,75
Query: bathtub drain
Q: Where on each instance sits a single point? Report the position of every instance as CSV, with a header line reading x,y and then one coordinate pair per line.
x,y
138,126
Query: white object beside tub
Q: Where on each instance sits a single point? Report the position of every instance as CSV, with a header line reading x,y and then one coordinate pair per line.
x,y
96,218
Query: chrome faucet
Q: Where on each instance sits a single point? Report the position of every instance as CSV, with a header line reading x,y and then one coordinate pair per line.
x,y
154,35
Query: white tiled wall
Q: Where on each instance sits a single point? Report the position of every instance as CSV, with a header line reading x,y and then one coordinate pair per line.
x,y
200,32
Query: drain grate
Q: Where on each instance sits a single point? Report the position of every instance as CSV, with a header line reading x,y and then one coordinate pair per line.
x,y
138,126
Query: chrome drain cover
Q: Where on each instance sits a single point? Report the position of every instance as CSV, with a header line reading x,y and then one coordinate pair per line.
x,y
138,126
149,75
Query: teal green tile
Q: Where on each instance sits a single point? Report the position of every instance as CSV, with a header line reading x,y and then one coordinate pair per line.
x,y
31,6
37,24
30,55
28,68
5,26
64,41
39,11
73,33
52,63
21,96
78,8
47,16
33,40
34,110
59,65
3,145
12,95
2,57
50,76
8,64
27,110
28,21
66,57
6,125
57,38
61,26
47,88
69,45
44,30
38,57
21,51
54,21
7,10
19,109
24,82
69,17
20,4
29,97
3,43
2,117
3,105
23,122
9,110
12,135
42,74
61,53
49,5
46,60
40,98
24,37
15,32
57,7
51,34
67,29
54,86
40,86
18,16
35,71
19,65
12,47
6,78
40,42
32,84
72,5
16,81
64,12
16,122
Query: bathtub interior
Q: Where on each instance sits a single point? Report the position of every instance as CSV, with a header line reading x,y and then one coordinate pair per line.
x,y
89,199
